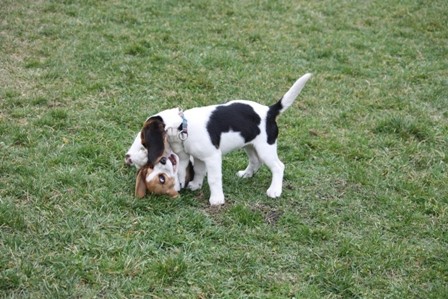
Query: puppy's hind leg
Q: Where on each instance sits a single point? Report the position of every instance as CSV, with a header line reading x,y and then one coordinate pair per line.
x,y
268,154
254,163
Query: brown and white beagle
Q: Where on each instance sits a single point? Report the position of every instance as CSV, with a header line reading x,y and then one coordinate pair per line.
x,y
160,174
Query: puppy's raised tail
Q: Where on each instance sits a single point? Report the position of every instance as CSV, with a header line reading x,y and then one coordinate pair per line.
x,y
289,96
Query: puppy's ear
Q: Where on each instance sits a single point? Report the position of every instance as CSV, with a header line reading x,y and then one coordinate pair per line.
x,y
140,183
153,138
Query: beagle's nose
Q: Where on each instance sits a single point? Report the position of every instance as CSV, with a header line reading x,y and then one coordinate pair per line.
x,y
127,159
163,160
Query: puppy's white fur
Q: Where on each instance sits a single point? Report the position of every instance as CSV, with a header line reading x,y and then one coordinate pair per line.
x,y
208,155
137,155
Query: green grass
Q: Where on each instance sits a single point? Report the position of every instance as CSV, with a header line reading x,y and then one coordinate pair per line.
x,y
364,208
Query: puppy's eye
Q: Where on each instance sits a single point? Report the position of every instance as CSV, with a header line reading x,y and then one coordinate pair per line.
x,y
161,179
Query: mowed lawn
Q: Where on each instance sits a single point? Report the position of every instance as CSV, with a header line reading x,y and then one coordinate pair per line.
x,y
364,207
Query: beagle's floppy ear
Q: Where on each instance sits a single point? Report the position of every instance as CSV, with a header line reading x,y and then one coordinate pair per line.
x,y
140,183
153,138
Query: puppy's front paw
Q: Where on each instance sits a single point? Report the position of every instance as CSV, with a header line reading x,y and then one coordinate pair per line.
x,y
217,200
193,186
274,192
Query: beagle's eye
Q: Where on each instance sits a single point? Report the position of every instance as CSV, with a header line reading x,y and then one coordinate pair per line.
x,y
161,179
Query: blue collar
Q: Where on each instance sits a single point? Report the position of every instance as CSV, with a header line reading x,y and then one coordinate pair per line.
x,y
183,128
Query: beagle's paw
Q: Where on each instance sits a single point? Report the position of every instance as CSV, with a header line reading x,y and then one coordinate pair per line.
x,y
193,186
244,174
274,192
217,200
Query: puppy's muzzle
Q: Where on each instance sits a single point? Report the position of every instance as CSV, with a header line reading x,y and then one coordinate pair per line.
x,y
172,158
128,160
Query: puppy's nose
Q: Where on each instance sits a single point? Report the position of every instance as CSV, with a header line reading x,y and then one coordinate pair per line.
x,y
127,159
163,160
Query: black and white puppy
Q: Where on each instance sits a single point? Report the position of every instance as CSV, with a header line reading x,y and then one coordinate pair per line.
x,y
207,133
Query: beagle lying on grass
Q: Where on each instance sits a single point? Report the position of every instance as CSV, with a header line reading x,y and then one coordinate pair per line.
x,y
205,134
161,177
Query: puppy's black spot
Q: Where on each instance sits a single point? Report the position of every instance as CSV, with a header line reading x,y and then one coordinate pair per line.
x,y
236,117
271,123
